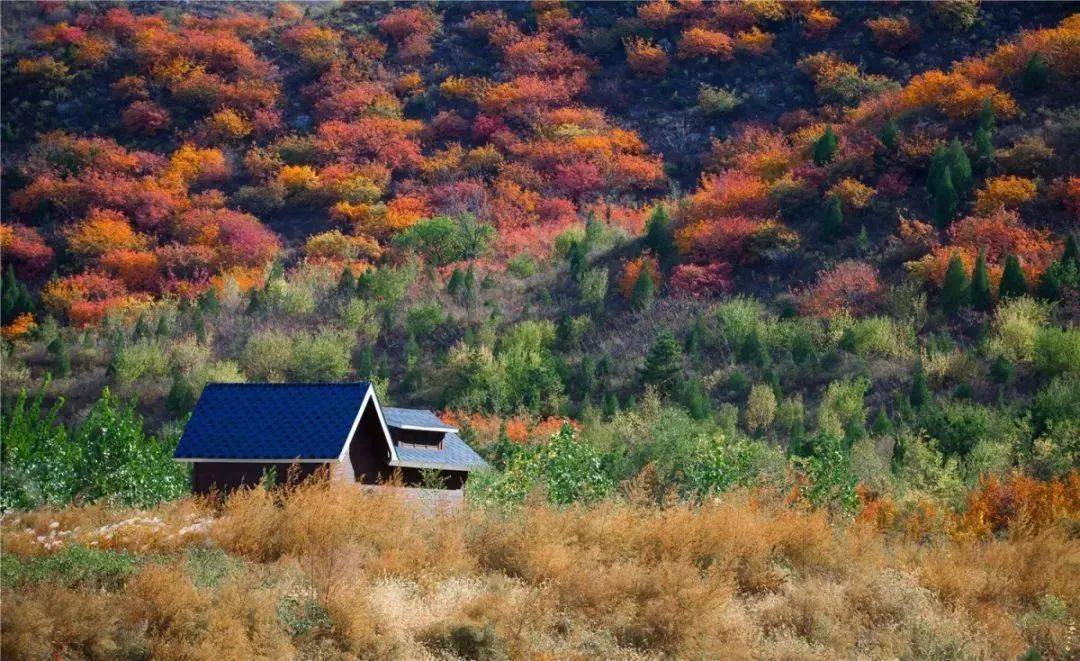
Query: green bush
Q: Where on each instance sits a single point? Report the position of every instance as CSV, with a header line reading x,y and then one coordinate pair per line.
x,y
718,100
267,356
841,406
106,456
566,469
72,566
142,360
874,336
321,356
719,464
1057,351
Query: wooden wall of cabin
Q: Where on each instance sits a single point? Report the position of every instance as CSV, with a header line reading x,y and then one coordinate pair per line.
x,y
225,476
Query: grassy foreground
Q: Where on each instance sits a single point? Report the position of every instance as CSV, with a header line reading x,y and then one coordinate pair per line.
x,y
322,572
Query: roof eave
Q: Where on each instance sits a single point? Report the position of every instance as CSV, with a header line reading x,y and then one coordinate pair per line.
x,y
437,466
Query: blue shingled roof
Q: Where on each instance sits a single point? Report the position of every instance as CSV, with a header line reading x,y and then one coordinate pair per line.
x,y
271,421
455,454
407,418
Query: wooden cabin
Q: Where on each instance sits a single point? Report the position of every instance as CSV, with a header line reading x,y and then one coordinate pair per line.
x,y
241,432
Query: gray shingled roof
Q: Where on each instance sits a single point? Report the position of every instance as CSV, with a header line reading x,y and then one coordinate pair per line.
x,y
406,418
455,454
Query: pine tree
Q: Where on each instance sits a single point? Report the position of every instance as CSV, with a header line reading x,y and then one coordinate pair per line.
x,y
862,241
1036,74
946,201
347,283
832,225
984,149
641,297
959,168
954,291
468,288
578,258
1071,254
881,426
753,351
920,391
593,229
142,329
364,359
1013,282
660,236
697,400
181,397
890,135
825,147
456,284
1001,370
611,405
696,337
663,365
61,361
986,116
200,328
208,302
981,298
162,329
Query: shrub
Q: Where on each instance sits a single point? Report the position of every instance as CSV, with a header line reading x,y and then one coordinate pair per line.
x,y
699,42
760,408
842,405
1057,351
645,58
566,469
718,100
1015,328
145,359
267,356
893,34
1009,192
320,356
106,456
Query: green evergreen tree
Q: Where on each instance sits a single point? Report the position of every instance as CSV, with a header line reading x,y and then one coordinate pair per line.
x,y
15,298
832,224
981,297
825,147
641,297
890,135
1013,282
986,116
1002,370
946,202
199,325
412,380
142,329
181,398
578,258
456,284
364,359
61,358
862,241
663,364
611,405
468,288
209,302
881,426
753,351
954,291
695,337
697,400
1036,74
162,329
959,168
1071,254
660,237
347,283
594,229
984,149
920,391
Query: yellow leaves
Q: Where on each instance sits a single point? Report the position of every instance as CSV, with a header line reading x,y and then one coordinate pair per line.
x,y
298,178
20,326
190,164
1009,192
853,194
102,231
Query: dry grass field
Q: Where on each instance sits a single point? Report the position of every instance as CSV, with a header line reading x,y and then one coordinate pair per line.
x,y
325,572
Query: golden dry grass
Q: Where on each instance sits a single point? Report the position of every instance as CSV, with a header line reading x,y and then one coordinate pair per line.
x,y
323,571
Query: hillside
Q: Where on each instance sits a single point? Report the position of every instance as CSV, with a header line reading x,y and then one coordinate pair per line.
x,y
653,255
